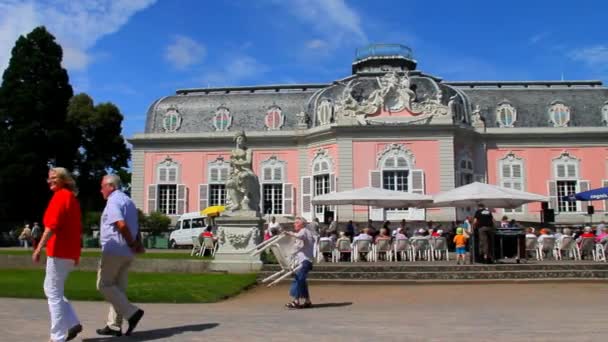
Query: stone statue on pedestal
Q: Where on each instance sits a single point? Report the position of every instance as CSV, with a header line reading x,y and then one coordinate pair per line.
x,y
243,187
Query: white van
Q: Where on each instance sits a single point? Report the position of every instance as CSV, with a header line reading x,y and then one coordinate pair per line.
x,y
187,226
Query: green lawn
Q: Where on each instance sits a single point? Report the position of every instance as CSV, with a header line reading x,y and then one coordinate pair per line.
x,y
150,254
143,287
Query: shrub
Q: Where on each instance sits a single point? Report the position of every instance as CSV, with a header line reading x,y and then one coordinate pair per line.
x,y
157,223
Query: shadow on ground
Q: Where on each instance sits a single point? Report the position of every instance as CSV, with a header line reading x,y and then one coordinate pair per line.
x,y
156,334
330,305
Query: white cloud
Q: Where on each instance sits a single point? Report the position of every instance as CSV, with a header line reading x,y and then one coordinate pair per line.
x,y
77,25
538,37
184,52
316,44
235,71
333,19
594,56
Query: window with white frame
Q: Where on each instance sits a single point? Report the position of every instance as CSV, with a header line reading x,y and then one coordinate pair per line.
x,y
395,174
167,195
506,115
273,178
321,171
511,170
566,175
219,171
465,171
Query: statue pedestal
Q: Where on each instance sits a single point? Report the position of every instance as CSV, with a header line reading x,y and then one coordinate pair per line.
x,y
237,235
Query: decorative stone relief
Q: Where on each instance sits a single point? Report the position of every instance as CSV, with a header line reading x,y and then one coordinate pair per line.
x,y
322,162
431,107
302,119
559,114
393,93
222,120
395,150
172,120
477,117
605,113
238,240
456,109
274,118
325,112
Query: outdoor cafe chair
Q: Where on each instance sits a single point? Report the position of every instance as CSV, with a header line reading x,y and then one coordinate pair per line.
x,y
324,247
403,248
422,249
587,247
208,244
343,246
383,246
567,245
546,246
363,246
196,246
439,246
532,246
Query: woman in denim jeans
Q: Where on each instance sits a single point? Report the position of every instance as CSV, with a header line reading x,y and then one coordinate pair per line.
x,y
304,255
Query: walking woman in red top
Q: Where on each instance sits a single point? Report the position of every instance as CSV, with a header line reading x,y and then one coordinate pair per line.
x,y
62,230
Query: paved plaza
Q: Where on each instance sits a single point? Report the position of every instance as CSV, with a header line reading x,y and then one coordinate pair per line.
x,y
443,312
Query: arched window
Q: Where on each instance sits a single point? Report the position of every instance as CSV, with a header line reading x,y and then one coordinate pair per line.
x,y
559,114
325,112
274,118
324,180
506,115
276,194
511,169
167,195
222,119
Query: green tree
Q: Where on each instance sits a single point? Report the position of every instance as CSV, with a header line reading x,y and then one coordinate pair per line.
x,y
102,146
34,134
157,223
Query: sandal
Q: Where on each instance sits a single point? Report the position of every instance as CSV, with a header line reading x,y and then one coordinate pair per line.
x,y
293,305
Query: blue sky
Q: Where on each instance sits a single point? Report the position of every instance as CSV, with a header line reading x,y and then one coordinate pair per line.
x,y
132,52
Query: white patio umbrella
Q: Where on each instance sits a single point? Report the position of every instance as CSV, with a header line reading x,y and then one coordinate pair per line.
x,y
492,196
376,197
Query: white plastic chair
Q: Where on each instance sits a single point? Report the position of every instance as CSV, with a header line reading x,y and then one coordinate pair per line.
x,y
324,246
383,246
567,244
208,244
546,246
363,246
343,245
586,247
422,249
196,246
439,246
532,246
600,252
404,248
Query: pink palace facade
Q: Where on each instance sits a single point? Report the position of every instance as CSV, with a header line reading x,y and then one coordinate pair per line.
x,y
387,125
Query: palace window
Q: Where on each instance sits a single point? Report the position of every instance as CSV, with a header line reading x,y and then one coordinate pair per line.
x,y
222,119
321,170
559,114
566,181
506,115
167,195
219,171
273,176
395,175
167,199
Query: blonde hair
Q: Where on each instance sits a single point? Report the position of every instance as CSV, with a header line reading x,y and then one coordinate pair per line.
x,y
67,181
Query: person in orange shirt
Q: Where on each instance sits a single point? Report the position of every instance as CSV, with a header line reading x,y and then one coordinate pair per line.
x,y
461,242
61,237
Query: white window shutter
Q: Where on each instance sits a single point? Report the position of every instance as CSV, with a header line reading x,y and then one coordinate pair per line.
x,y
332,182
417,176
181,199
203,196
506,170
571,170
278,174
583,185
516,170
224,174
306,190
375,181
553,194
288,199
214,175
417,181
561,171
152,190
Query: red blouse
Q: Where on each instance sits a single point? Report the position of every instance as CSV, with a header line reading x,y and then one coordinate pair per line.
x,y
62,216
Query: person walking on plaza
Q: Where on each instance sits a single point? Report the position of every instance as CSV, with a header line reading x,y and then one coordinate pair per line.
x,y
304,251
26,236
119,236
61,237
36,235
484,224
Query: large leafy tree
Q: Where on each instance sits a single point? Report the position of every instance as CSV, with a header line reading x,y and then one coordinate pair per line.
x,y
102,146
34,133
